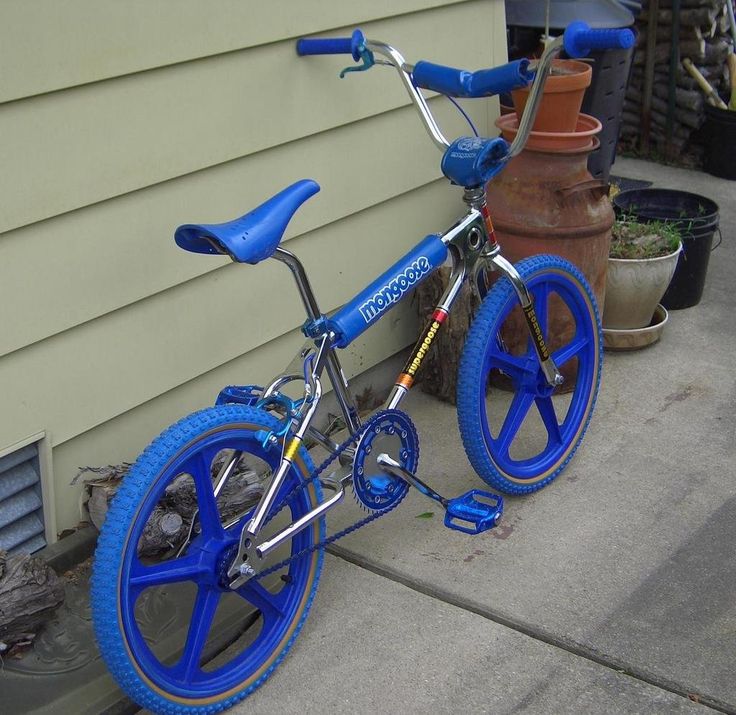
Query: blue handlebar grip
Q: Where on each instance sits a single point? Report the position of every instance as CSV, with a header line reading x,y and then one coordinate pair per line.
x,y
326,46
580,39
442,79
332,45
461,83
486,83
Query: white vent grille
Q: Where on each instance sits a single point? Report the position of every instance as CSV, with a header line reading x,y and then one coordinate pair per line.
x,y
21,508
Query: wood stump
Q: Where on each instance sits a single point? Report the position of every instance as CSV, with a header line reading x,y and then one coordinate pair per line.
x,y
30,594
168,525
438,374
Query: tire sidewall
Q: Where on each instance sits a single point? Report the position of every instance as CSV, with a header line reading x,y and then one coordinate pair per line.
x,y
142,478
470,372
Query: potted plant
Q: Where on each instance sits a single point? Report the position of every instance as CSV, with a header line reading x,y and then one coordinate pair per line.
x,y
562,98
642,260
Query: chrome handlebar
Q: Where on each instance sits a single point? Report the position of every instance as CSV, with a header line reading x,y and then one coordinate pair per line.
x,y
396,60
535,97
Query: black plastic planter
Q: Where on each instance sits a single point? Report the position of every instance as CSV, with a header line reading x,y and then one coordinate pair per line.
x,y
720,142
696,219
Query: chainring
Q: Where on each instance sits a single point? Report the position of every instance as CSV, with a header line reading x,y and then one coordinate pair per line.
x,y
392,432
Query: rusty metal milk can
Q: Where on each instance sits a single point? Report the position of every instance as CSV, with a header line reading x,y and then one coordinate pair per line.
x,y
546,201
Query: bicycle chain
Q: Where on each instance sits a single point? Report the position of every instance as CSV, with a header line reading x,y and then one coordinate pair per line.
x,y
352,440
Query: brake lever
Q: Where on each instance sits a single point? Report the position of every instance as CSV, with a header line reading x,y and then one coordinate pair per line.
x,y
368,61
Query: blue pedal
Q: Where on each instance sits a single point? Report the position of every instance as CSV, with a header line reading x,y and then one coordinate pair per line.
x,y
474,511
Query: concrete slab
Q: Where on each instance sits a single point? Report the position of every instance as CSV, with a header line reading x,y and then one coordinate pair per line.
x,y
601,562
611,591
372,645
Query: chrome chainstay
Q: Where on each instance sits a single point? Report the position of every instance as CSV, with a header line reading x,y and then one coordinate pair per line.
x,y
351,441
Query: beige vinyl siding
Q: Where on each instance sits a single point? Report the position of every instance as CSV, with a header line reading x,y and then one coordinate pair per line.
x,y
75,42
105,243
93,142
109,332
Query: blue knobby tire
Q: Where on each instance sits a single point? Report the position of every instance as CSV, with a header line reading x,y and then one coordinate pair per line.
x,y
518,439
170,673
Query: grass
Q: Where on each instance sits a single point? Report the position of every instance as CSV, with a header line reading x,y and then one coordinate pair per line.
x,y
634,240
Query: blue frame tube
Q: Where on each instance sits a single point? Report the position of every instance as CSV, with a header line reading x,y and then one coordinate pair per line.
x,y
372,303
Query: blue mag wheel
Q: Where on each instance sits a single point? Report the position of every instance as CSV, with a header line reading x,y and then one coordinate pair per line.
x,y
519,438
171,632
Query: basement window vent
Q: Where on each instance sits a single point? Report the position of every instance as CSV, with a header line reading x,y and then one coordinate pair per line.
x,y
21,508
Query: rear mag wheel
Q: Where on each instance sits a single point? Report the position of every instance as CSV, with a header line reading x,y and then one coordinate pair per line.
x,y
172,633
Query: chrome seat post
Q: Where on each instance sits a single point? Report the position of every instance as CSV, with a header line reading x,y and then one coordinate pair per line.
x,y
302,282
334,369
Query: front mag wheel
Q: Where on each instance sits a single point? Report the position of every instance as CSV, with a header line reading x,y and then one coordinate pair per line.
x,y
172,633
517,431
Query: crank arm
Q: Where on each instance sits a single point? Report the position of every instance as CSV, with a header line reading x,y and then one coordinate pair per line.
x,y
392,467
251,554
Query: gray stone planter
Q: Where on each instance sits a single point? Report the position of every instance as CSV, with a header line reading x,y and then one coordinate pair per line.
x,y
634,287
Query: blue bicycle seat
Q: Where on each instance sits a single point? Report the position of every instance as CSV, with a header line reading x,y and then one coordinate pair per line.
x,y
253,237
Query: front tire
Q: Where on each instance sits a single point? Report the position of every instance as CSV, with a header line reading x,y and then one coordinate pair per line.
x,y
247,632
520,442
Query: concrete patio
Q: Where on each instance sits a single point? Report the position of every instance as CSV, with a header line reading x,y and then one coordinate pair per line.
x,y
610,591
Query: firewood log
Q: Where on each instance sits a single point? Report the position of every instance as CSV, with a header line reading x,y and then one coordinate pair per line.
x,y
700,16
716,5
30,594
169,522
687,99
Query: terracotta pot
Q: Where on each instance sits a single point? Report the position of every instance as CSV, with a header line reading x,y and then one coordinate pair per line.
x,y
561,99
634,287
580,138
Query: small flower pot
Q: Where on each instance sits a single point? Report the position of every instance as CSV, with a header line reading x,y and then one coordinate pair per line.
x,y
561,99
582,136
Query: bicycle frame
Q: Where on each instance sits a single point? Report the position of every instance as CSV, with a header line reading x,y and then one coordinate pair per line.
x,y
472,246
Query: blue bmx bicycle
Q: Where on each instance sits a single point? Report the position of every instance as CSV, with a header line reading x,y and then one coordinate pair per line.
x,y
249,548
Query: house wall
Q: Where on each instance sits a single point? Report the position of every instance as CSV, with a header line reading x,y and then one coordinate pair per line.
x,y
119,121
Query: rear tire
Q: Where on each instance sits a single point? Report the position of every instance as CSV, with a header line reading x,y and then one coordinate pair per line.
x,y
267,614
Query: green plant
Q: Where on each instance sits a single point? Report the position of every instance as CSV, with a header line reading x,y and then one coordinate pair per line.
x,y
631,239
